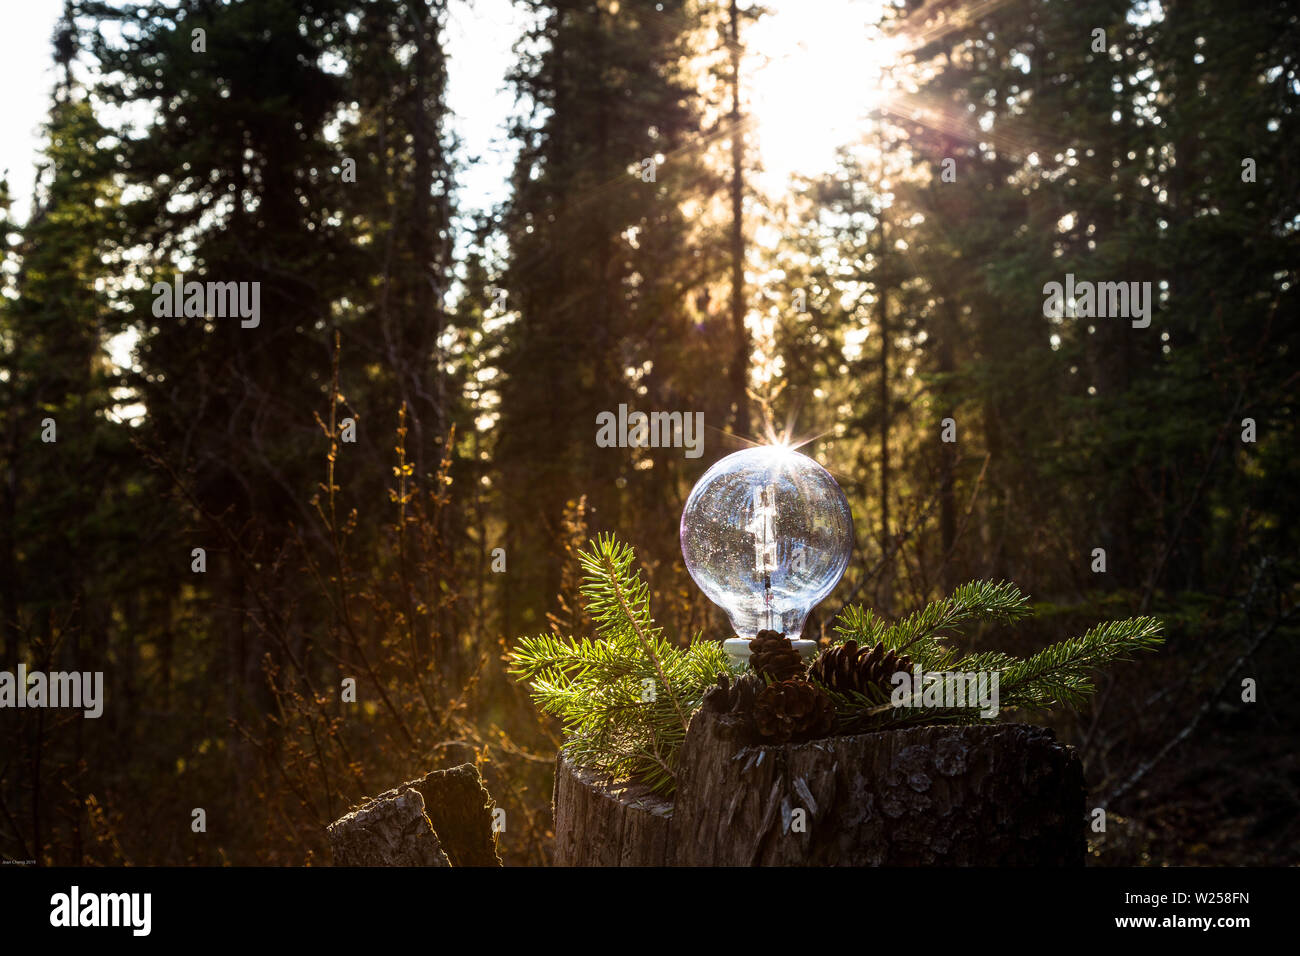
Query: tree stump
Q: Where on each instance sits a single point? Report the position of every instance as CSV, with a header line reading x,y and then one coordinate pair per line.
x,y
442,819
599,824
985,794
391,830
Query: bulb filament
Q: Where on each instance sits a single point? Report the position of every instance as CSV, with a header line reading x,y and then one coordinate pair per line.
x,y
763,527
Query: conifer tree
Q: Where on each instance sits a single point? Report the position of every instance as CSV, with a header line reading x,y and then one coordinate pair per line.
x,y
598,274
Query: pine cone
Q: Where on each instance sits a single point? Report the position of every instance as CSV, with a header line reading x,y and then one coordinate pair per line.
x,y
793,710
734,698
734,701
772,655
847,668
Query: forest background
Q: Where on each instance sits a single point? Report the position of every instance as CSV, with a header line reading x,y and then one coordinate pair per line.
x,y
389,476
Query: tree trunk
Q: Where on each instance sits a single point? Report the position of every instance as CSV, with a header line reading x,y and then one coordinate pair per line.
x,y
740,334
885,589
999,794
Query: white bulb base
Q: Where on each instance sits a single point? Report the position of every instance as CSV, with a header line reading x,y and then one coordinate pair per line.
x,y
737,649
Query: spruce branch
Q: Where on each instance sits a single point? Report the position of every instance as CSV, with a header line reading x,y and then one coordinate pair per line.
x,y
618,597
1060,673
976,600
918,635
626,695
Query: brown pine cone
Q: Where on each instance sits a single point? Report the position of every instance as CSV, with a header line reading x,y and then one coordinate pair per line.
x,y
734,701
793,710
772,655
728,697
848,668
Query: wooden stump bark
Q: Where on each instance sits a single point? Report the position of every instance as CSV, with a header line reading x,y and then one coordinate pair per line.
x,y
598,824
391,830
442,819
988,794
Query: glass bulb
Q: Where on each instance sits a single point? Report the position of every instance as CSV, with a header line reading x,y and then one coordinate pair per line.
x,y
766,534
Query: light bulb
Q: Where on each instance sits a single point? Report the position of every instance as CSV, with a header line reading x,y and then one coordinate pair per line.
x,y
766,534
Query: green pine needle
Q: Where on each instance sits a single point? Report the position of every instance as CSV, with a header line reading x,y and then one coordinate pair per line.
x,y
625,698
